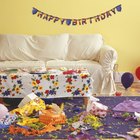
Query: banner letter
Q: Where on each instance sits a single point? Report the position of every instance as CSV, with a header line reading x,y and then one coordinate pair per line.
x,y
62,21
84,21
55,19
97,18
45,16
50,17
40,14
74,22
108,14
102,16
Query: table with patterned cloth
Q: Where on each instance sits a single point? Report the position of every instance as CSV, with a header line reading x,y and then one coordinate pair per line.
x,y
54,83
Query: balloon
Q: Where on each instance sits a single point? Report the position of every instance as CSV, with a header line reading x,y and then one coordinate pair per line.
x,y
127,79
3,111
138,73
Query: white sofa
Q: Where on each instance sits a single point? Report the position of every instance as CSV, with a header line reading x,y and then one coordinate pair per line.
x,y
63,50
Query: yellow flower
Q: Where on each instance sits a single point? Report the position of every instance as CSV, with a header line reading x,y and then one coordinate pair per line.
x,y
17,89
82,74
40,88
86,88
34,83
45,76
55,84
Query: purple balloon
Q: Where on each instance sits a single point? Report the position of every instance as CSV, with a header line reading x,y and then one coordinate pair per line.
x,y
127,79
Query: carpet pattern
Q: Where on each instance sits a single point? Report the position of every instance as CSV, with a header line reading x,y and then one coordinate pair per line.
x,y
74,106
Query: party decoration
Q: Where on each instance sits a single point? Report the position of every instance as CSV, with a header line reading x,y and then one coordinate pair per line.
x,y
128,105
93,121
33,132
138,72
124,116
81,21
68,21
3,111
127,79
34,11
82,136
26,121
36,104
51,117
27,99
54,115
119,8
135,132
96,108
118,93
137,116
127,137
7,120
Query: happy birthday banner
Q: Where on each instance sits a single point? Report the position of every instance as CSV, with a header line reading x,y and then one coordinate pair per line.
x,y
81,21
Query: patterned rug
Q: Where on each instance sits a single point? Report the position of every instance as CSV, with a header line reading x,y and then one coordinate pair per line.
x,y
73,107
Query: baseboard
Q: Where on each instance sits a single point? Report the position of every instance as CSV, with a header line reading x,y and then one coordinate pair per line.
x,y
118,75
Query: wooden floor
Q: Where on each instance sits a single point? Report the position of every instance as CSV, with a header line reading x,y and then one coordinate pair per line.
x,y
134,90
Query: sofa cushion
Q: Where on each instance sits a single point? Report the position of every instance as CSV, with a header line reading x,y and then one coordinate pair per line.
x,y
52,47
17,47
84,47
91,66
22,65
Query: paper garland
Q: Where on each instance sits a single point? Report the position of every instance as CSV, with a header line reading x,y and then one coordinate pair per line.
x,y
81,21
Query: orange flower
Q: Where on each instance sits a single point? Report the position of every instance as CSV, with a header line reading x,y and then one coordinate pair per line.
x,y
34,83
40,88
68,87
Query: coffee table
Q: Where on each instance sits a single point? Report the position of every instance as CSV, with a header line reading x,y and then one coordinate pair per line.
x,y
54,83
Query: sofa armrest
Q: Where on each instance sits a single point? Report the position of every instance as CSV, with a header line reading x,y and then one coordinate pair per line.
x,y
108,57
